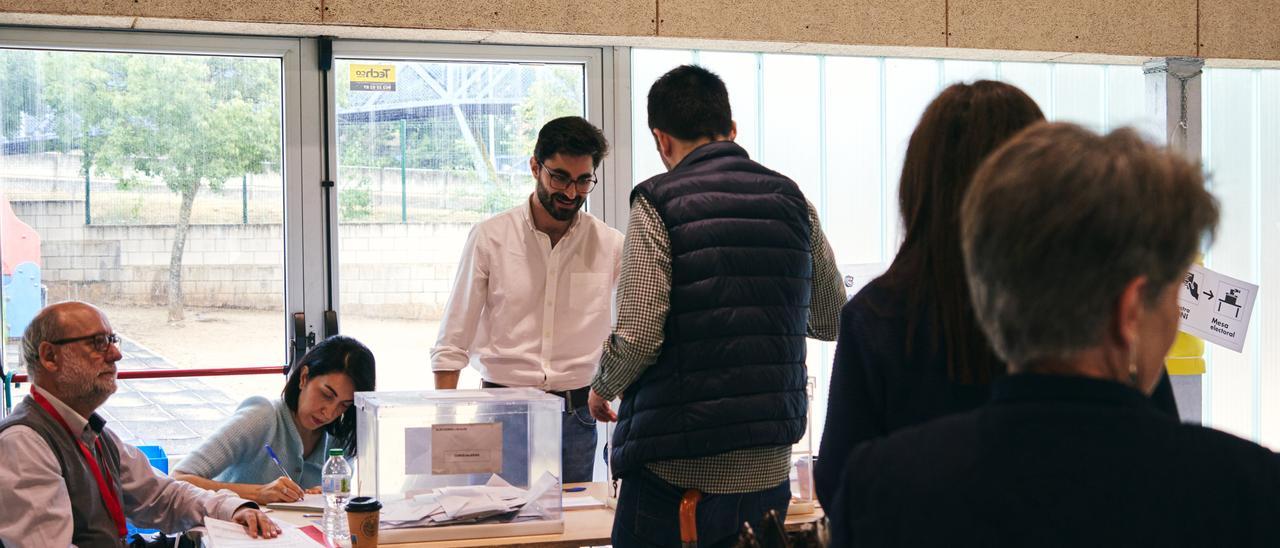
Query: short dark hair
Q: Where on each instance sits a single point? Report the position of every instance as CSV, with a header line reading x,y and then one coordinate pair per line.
x,y
336,354
571,136
690,102
1059,220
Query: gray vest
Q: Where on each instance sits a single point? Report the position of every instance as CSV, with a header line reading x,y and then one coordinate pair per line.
x,y
93,524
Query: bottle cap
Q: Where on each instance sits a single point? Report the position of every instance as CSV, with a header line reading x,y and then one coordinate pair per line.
x,y
336,452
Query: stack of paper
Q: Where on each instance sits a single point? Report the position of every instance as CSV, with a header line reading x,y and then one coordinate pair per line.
x,y
225,534
308,502
496,500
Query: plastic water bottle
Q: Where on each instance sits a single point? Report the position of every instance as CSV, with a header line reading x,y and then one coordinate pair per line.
x,y
336,485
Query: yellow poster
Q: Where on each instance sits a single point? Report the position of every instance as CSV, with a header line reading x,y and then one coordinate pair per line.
x,y
373,77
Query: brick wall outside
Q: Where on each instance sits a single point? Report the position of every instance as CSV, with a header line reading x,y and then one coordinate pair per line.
x,y
390,270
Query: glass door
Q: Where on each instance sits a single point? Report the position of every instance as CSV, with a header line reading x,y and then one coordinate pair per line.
x,y
151,182
430,141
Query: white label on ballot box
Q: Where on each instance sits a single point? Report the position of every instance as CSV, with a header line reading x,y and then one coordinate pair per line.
x,y
466,448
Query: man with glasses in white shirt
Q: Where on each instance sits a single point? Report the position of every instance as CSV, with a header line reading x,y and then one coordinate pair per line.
x,y
531,302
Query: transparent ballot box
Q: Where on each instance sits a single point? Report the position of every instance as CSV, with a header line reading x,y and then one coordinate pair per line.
x,y
456,464
803,497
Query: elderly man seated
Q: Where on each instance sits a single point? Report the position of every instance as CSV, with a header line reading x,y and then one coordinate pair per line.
x,y
65,480
1075,246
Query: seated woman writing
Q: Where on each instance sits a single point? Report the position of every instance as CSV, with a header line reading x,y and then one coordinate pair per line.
x,y
312,415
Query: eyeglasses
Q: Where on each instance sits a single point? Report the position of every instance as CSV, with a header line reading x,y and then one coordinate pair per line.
x,y
560,181
100,342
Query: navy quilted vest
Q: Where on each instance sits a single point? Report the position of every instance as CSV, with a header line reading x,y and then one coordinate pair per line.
x,y
731,371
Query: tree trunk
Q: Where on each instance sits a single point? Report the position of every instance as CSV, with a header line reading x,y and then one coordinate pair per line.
x,y
180,244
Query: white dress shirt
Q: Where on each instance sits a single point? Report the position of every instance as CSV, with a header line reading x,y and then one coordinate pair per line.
x,y
36,508
525,313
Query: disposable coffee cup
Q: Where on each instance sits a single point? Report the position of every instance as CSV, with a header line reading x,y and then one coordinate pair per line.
x,y
362,520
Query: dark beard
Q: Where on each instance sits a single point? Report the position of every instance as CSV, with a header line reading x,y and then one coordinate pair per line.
x,y
547,199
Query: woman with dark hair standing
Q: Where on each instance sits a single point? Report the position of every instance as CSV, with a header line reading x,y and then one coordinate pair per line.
x,y
313,415
910,348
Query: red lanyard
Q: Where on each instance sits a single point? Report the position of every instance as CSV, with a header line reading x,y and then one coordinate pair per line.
x,y
106,487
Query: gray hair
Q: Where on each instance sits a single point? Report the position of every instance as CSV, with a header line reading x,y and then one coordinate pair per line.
x,y
1060,220
47,325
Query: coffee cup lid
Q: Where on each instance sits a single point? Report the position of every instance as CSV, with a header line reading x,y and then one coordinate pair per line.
x,y
363,504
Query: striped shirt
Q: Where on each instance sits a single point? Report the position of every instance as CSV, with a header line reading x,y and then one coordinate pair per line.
x,y
644,289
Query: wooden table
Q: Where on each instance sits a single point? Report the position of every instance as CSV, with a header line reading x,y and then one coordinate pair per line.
x,y
589,527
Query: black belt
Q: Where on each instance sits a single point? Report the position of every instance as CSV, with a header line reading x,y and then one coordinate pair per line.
x,y
573,399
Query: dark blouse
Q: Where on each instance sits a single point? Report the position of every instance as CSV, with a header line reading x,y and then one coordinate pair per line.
x,y
876,389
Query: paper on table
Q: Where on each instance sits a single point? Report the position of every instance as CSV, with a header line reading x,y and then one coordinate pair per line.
x,y
532,506
453,505
308,502
408,510
582,503
540,487
225,534
496,499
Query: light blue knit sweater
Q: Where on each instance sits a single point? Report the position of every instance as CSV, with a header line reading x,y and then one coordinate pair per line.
x,y
235,454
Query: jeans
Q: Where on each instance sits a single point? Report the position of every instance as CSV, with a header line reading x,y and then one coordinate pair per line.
x,y
577,445
648,512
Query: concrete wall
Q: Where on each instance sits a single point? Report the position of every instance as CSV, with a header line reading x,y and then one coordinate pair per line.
x,y
1229,29
388,270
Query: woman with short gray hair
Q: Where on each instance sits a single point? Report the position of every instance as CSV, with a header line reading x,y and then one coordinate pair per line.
x,y
1074,246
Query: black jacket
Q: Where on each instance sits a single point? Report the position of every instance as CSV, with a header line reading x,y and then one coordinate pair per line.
x,y
1059,461
731,370
876,389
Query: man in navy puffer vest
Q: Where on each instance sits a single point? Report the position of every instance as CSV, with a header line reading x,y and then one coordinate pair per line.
x,y
725,271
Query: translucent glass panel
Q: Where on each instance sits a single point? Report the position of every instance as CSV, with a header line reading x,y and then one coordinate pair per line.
x,y
741,73
1241,138
150,186
839,127
855,198
791,119
645,69
419,163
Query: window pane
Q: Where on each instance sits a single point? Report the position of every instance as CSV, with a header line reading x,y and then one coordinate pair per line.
x,y
792,142
967,71
1078,95
150,186
856,181
741,75
910,84
1232,147
1036,79
419,164
646,66
1126,99
1266,141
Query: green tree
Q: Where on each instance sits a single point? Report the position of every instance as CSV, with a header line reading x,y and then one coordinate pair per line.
x,y
18,81
187,121
557,92
79,89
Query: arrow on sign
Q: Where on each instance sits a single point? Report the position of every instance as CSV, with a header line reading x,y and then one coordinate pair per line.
x,y
1208,295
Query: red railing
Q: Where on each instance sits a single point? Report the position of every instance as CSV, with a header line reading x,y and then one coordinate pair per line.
x,y
174,373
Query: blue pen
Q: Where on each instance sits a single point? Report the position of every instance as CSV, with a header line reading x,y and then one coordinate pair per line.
x,y
276,459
